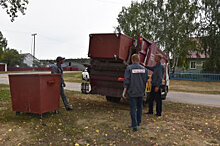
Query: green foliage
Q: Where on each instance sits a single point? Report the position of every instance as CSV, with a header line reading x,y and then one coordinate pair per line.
x,y
3,41
13,6
210,34
12,58
4,92
169,23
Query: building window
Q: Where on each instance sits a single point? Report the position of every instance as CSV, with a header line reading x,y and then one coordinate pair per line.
x,y
192,65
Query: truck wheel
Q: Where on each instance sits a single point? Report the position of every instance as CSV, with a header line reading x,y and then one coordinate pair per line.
x,y
108,98
163,97
116,99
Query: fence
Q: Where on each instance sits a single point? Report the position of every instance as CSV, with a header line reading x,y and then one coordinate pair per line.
x,y
195,76
39,69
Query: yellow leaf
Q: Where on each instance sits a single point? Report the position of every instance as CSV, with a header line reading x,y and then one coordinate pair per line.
x,y
97,131
76,144
124,131
166,135
64,139
10,130
60,124
86,127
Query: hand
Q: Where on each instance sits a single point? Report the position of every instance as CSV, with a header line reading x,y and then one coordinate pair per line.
x,y
124,92
64,85
142,64
156,89
123,95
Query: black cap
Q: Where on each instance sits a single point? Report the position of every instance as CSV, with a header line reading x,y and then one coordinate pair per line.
x,y
59,59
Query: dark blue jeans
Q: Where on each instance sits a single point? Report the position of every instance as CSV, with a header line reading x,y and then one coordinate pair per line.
x,y
136,106
63,96
157,97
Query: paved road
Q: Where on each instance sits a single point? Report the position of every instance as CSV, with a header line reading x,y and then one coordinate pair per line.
x,y
183,97
195,98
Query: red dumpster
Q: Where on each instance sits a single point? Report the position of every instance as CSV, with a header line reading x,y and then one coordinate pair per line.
x,y
35,93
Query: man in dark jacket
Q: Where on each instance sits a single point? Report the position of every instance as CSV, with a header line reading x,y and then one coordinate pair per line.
x,y
58,69
157,77
135,79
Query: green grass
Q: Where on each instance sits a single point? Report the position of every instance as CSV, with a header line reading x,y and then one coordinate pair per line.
x,y
95,121
195,86
73,77
4,92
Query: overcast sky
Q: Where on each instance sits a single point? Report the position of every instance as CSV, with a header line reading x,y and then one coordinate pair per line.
x,y
62,26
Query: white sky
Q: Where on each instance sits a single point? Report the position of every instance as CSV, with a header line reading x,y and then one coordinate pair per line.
x,y
62,27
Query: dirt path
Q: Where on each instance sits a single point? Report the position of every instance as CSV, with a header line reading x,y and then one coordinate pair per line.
x,y
183,97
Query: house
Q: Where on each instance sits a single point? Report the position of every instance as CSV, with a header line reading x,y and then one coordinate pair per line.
x,y
77,63
74,65
195,62
3,66
28,59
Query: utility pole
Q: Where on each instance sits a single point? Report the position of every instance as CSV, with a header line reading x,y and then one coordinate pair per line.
x,y
33,49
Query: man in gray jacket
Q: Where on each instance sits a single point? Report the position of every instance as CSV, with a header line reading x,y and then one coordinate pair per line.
x,y
157,77
135,79
58,69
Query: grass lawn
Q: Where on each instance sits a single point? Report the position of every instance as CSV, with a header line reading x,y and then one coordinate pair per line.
x,y
195,86
73,77
94,121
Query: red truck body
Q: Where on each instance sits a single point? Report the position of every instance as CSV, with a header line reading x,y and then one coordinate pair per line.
x,y
110,55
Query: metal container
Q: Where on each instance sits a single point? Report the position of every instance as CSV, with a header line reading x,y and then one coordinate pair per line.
x,y
110,46
35,93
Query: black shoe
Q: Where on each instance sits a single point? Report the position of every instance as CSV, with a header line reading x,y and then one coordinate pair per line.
x,y
149,113
135,129
158,115
69,109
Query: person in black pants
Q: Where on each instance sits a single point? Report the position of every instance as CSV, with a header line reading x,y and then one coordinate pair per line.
x,y
135,79
157,77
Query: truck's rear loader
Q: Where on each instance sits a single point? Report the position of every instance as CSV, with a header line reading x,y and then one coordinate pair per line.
x,y
110,55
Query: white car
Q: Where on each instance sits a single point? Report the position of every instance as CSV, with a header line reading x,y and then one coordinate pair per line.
x,y
85,75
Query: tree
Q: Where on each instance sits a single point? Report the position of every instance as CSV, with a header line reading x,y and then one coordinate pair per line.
x,y
170,23
12,58
3,41
13,6
209,33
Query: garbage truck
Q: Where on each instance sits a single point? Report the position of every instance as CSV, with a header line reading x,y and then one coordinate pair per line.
x,y
111,53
